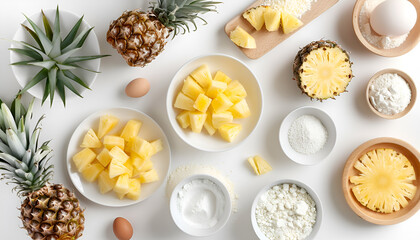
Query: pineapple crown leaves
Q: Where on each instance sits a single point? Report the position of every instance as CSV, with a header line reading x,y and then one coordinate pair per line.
x,y
177,14
22,160
55,56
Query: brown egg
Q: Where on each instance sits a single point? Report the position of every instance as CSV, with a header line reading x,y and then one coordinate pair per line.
x,y
122,229
137,88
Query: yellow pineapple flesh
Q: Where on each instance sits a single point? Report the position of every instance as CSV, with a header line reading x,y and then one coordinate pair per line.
x,y
262,165
184,102
91,172
290,23
117,168
106,124
90,140
255,16
215,88
235,91
272,19
122,185
142,148
243,39
119,155
202,75
208,124
131,129
221,103
113,141
222,77
184,119
83,158
240,109
149,176
202,103
157,145
134,189
129,165
105,183
230,131
191,88
104,158
221,118
197,120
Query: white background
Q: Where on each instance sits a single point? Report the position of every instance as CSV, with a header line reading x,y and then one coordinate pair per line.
x,y
151,219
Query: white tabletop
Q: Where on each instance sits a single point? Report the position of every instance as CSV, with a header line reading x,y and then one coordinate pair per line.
x,y
151,219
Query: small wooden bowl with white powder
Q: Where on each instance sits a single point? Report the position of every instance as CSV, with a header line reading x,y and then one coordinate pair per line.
x,y
391,93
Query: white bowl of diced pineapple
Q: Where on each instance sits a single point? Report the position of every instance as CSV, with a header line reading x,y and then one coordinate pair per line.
x,y
118,157
214,102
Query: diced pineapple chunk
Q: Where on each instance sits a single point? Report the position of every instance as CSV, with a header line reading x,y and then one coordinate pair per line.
x,y
105,183
202,103
120,195
104,158
191,88
91,140
290,23
243,39
197,120
137,162
272,19
146,165
184,119
83,158
157,145
235,91
221,103
121,186
221,118
259,165
149,176
119,155
229,131
202,75
222,77
208,124
91,172
142,148
113,141
131,129
240,110
106,124
215,88
117,168
134,189
130,167
184,102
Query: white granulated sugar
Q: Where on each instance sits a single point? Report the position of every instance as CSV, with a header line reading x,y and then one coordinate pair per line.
x,y
286,212
307,135
389,94
378,41
294,7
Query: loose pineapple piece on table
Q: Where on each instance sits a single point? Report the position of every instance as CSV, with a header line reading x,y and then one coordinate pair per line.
x,y
260,165
106,124
90,140
142,148
272,19
208,124
116,168
105,183
91,172
83,158
202,75
122,185
202,103
290,23
240,109
131,129
134,189
221,118
229,131
184,102
222,77
119,155
149,176
215,88
235,91
243,39
221,103
255,16
197,120
191,88
113,141
184,119
157,145
104,158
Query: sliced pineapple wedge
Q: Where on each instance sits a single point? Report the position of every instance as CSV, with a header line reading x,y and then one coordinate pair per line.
x,y
243,39
272,19
290,23
91,140
255,16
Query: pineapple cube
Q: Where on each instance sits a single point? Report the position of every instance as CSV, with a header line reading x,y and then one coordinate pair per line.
x,y
117,168
221,103
134,189
240,109
184,102
131,129
106,124
113,141
290,23
197,120
202,75
215,88
149,176
202,103
121,186
142,148
259,165
222,77
91,140
229,131
235,91
272,19
119,155
83,158
145,166
191,88
184,119
91,172
255,16
137,162
208,125
130,167
157,145
105,183
120,195
241,38
219,119
104,158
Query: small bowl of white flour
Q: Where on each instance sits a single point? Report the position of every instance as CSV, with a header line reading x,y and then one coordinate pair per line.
x,y
286,210
307,135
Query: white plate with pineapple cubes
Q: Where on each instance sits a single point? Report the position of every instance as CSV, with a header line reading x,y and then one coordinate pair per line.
x,y
109,174
205,84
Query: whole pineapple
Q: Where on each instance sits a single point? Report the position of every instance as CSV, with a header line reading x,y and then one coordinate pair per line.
x,y
141,36
49,211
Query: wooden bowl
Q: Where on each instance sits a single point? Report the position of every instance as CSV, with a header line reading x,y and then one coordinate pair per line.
x,y
410,83
411,41
374,217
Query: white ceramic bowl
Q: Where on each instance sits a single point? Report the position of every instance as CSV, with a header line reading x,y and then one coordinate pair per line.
x,y
312,158
187,228
150,130
24,74
236,70
311,192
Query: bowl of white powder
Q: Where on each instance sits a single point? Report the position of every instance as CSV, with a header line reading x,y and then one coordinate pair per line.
x,y
286,209
200,205
307,135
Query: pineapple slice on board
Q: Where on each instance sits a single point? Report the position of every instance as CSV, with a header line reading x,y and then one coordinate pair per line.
x,y
106,124
242,38
255,16
90,140
290,23
272,19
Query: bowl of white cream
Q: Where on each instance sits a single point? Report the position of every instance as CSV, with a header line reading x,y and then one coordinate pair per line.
x,y
200,205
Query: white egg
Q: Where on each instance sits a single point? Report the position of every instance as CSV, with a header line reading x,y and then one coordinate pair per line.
x,y
393,17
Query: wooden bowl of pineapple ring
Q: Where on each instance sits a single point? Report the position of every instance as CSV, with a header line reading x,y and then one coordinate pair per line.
x,y
375,217
410,83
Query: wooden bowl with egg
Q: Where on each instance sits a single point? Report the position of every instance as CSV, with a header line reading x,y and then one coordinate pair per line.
x,y
376,217
410,83
412,39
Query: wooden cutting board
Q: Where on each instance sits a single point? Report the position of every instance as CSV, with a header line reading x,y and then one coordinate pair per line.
x,y
268,40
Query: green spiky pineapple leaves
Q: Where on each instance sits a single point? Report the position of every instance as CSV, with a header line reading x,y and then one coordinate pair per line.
x,y
55,56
